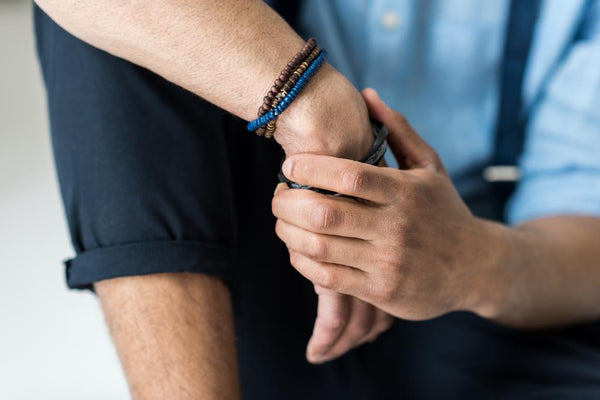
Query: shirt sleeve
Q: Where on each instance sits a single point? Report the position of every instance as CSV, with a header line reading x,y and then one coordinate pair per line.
x,y
560,165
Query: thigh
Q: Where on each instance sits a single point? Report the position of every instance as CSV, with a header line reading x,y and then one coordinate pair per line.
x,y
143,165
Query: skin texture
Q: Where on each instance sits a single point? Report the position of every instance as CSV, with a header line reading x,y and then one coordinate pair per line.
x,y
409,245
153,336
228,52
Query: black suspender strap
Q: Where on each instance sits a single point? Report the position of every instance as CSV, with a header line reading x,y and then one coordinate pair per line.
x,y
511,122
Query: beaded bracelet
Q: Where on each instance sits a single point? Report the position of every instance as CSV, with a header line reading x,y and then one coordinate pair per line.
x,y
285,74
271,126
291,96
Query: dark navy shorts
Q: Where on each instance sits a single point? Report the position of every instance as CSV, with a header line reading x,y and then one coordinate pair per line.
x,y
155,179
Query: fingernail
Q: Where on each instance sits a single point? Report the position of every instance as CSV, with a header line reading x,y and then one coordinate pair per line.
x,y
287,167
377,95
315,352
316,358
381,100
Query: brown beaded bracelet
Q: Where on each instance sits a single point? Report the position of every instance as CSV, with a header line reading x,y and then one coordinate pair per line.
x,y
285,74
283,77
298,73
293,79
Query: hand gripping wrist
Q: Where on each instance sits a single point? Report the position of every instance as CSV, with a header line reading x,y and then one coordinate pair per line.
x,y
377,152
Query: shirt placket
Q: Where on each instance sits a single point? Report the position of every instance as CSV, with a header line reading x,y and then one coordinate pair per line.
x,y
388,45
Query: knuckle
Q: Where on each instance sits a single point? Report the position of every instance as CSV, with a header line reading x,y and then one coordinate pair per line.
x,y
295,259
327,278
278,229
434,157
391,258
354,180
430,159
317,248
323,217
275,205
319,289
439,165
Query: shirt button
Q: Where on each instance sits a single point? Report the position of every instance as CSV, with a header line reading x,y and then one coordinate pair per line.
x,y
390,20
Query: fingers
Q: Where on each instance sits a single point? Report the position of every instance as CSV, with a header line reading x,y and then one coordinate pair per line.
x,y
339,278
410,149
382,322
351,252
340,175
333,313
326,214
362,317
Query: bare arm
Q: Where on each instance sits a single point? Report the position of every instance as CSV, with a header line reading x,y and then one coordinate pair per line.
x,y
547,273
228,52
157,321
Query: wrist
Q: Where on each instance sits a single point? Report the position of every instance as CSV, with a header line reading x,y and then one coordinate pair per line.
x,y
328,117
491,273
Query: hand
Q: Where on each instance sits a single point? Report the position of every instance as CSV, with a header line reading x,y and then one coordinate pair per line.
x,y
329,117
407,245
343,323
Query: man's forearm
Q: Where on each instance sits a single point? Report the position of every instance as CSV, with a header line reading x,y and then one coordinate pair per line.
x,y
546,273
174,334
228,52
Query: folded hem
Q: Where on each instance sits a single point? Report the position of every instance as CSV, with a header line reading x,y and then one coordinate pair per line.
x,y
147,258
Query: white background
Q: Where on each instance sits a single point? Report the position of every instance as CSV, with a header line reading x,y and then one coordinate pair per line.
x,y
53,342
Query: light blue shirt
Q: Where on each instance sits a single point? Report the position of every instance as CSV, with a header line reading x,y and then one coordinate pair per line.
x,y
438,62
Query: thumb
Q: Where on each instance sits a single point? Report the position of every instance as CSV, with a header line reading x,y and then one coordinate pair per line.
x,y
410,149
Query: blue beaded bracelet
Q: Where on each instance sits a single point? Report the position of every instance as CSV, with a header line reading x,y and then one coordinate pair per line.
x,y
291,96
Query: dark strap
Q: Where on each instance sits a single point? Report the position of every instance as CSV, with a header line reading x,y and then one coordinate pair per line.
x,y
511,123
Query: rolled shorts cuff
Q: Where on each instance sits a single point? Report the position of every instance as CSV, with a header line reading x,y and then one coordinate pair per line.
x,y
144,258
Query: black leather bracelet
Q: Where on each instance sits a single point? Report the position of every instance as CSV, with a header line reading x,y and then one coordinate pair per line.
x,y
373,158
